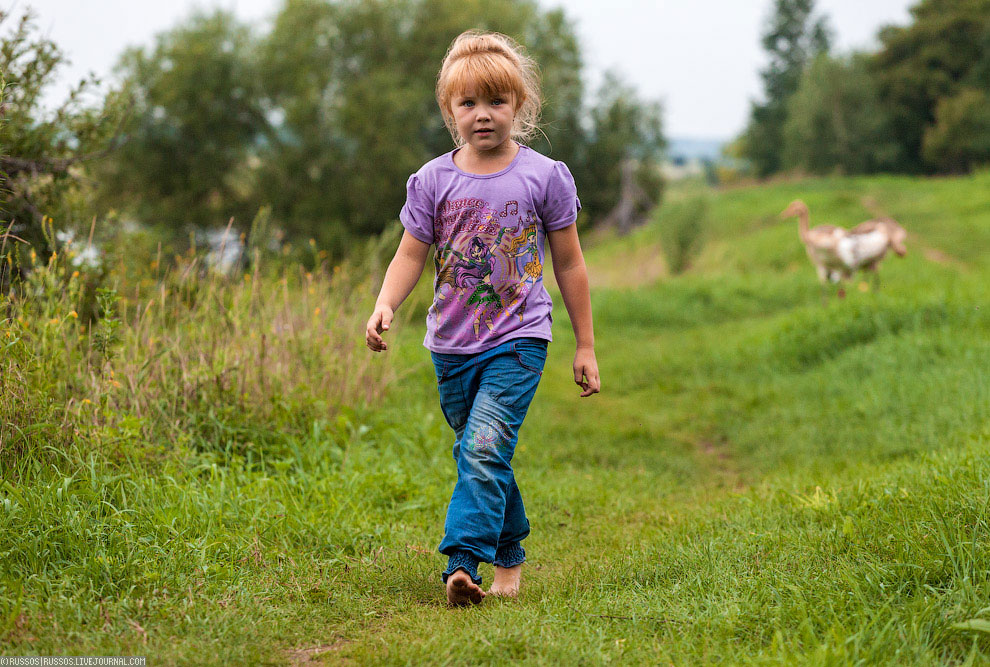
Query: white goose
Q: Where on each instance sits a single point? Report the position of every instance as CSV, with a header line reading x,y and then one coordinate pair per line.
x,y
838,253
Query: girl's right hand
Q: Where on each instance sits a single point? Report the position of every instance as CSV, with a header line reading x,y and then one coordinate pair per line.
x,y
379,321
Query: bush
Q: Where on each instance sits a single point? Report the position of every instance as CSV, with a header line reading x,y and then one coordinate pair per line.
x,y
683,227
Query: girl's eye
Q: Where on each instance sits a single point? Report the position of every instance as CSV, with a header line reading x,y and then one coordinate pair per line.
x,y
497,101
467,103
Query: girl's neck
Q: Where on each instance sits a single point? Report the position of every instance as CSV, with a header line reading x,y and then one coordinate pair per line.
x,y
473,161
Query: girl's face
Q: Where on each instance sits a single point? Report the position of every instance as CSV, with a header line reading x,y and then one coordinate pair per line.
x,y
485,123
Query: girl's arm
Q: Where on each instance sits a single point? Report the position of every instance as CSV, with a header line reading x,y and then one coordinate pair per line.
x,y
402,275
572,278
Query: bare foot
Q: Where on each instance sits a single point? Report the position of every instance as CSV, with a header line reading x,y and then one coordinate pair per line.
x,y
506,582
462,591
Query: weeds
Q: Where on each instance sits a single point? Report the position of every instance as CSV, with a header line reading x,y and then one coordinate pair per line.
x,y
193,360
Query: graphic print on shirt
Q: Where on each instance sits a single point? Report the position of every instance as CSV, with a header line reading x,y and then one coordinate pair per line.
x,y
487,262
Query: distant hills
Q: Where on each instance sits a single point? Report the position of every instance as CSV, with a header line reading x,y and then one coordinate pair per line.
x,y
687,149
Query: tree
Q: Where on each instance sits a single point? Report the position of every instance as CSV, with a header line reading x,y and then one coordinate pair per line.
x,y
326,115
943,51
835,121
197,118
794,37
622,159
42,152
960,137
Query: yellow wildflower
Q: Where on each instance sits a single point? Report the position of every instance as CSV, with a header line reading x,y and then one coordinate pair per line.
x,y
75,274
73,314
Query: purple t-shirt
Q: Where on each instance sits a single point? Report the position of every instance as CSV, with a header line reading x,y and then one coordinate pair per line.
x,y
489,232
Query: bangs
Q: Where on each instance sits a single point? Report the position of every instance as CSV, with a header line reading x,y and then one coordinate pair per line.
x,y
487,74
490,64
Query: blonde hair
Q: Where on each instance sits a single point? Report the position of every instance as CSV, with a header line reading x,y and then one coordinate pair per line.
x,y
494,64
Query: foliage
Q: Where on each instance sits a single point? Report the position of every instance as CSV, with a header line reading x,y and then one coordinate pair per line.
x,y
623,127
683,225
197,118
960,137
794,36
42,152
187,360
325,115
943,51
835,121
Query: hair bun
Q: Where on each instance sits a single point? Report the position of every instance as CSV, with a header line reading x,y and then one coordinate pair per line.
x,y
478,42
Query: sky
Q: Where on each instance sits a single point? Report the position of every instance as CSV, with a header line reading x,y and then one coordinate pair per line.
x,y
700,58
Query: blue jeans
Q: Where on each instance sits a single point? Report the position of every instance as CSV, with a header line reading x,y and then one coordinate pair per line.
x,y
484,398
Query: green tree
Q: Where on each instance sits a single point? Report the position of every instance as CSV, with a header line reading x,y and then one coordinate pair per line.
x,y
625,132
42,151
197,120
794,37
835,121
326,115
943,51
960,138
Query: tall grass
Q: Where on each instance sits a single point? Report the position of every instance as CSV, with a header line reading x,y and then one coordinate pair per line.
x,y
190,360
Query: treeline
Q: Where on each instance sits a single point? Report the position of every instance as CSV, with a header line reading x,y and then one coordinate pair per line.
x,y
920,104
315,120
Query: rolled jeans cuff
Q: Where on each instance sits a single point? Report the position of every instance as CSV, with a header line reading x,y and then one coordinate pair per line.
x,y
509,555
460,560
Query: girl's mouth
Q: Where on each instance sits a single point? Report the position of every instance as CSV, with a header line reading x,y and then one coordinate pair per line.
x,y
483,131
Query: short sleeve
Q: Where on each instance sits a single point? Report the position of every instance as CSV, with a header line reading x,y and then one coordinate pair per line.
x,y
561,204
417,213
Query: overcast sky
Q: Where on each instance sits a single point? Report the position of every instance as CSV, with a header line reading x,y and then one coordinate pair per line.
x,y
701,58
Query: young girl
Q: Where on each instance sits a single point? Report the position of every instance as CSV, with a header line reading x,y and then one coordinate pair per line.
x,y
487,206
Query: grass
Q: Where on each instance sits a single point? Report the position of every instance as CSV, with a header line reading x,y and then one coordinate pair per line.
x,y
763,480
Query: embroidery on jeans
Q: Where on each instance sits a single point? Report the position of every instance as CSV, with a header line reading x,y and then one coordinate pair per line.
x,y
489,437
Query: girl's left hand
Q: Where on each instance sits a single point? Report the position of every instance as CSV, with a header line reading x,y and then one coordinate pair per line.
x,y
586,371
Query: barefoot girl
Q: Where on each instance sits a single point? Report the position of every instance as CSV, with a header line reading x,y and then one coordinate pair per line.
x,y
488,206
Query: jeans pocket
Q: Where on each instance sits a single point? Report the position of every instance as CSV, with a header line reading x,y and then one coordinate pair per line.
x,y
453,402
531,355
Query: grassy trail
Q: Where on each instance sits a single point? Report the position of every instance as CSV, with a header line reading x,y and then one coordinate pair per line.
x,y
763,480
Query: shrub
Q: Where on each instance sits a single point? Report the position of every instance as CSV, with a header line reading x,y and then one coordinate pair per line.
x,y
683,226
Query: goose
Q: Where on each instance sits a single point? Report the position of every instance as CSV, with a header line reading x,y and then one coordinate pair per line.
x,y
866,244
838,253
821,243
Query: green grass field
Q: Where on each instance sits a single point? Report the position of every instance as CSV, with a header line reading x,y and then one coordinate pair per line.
x,y
763,479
